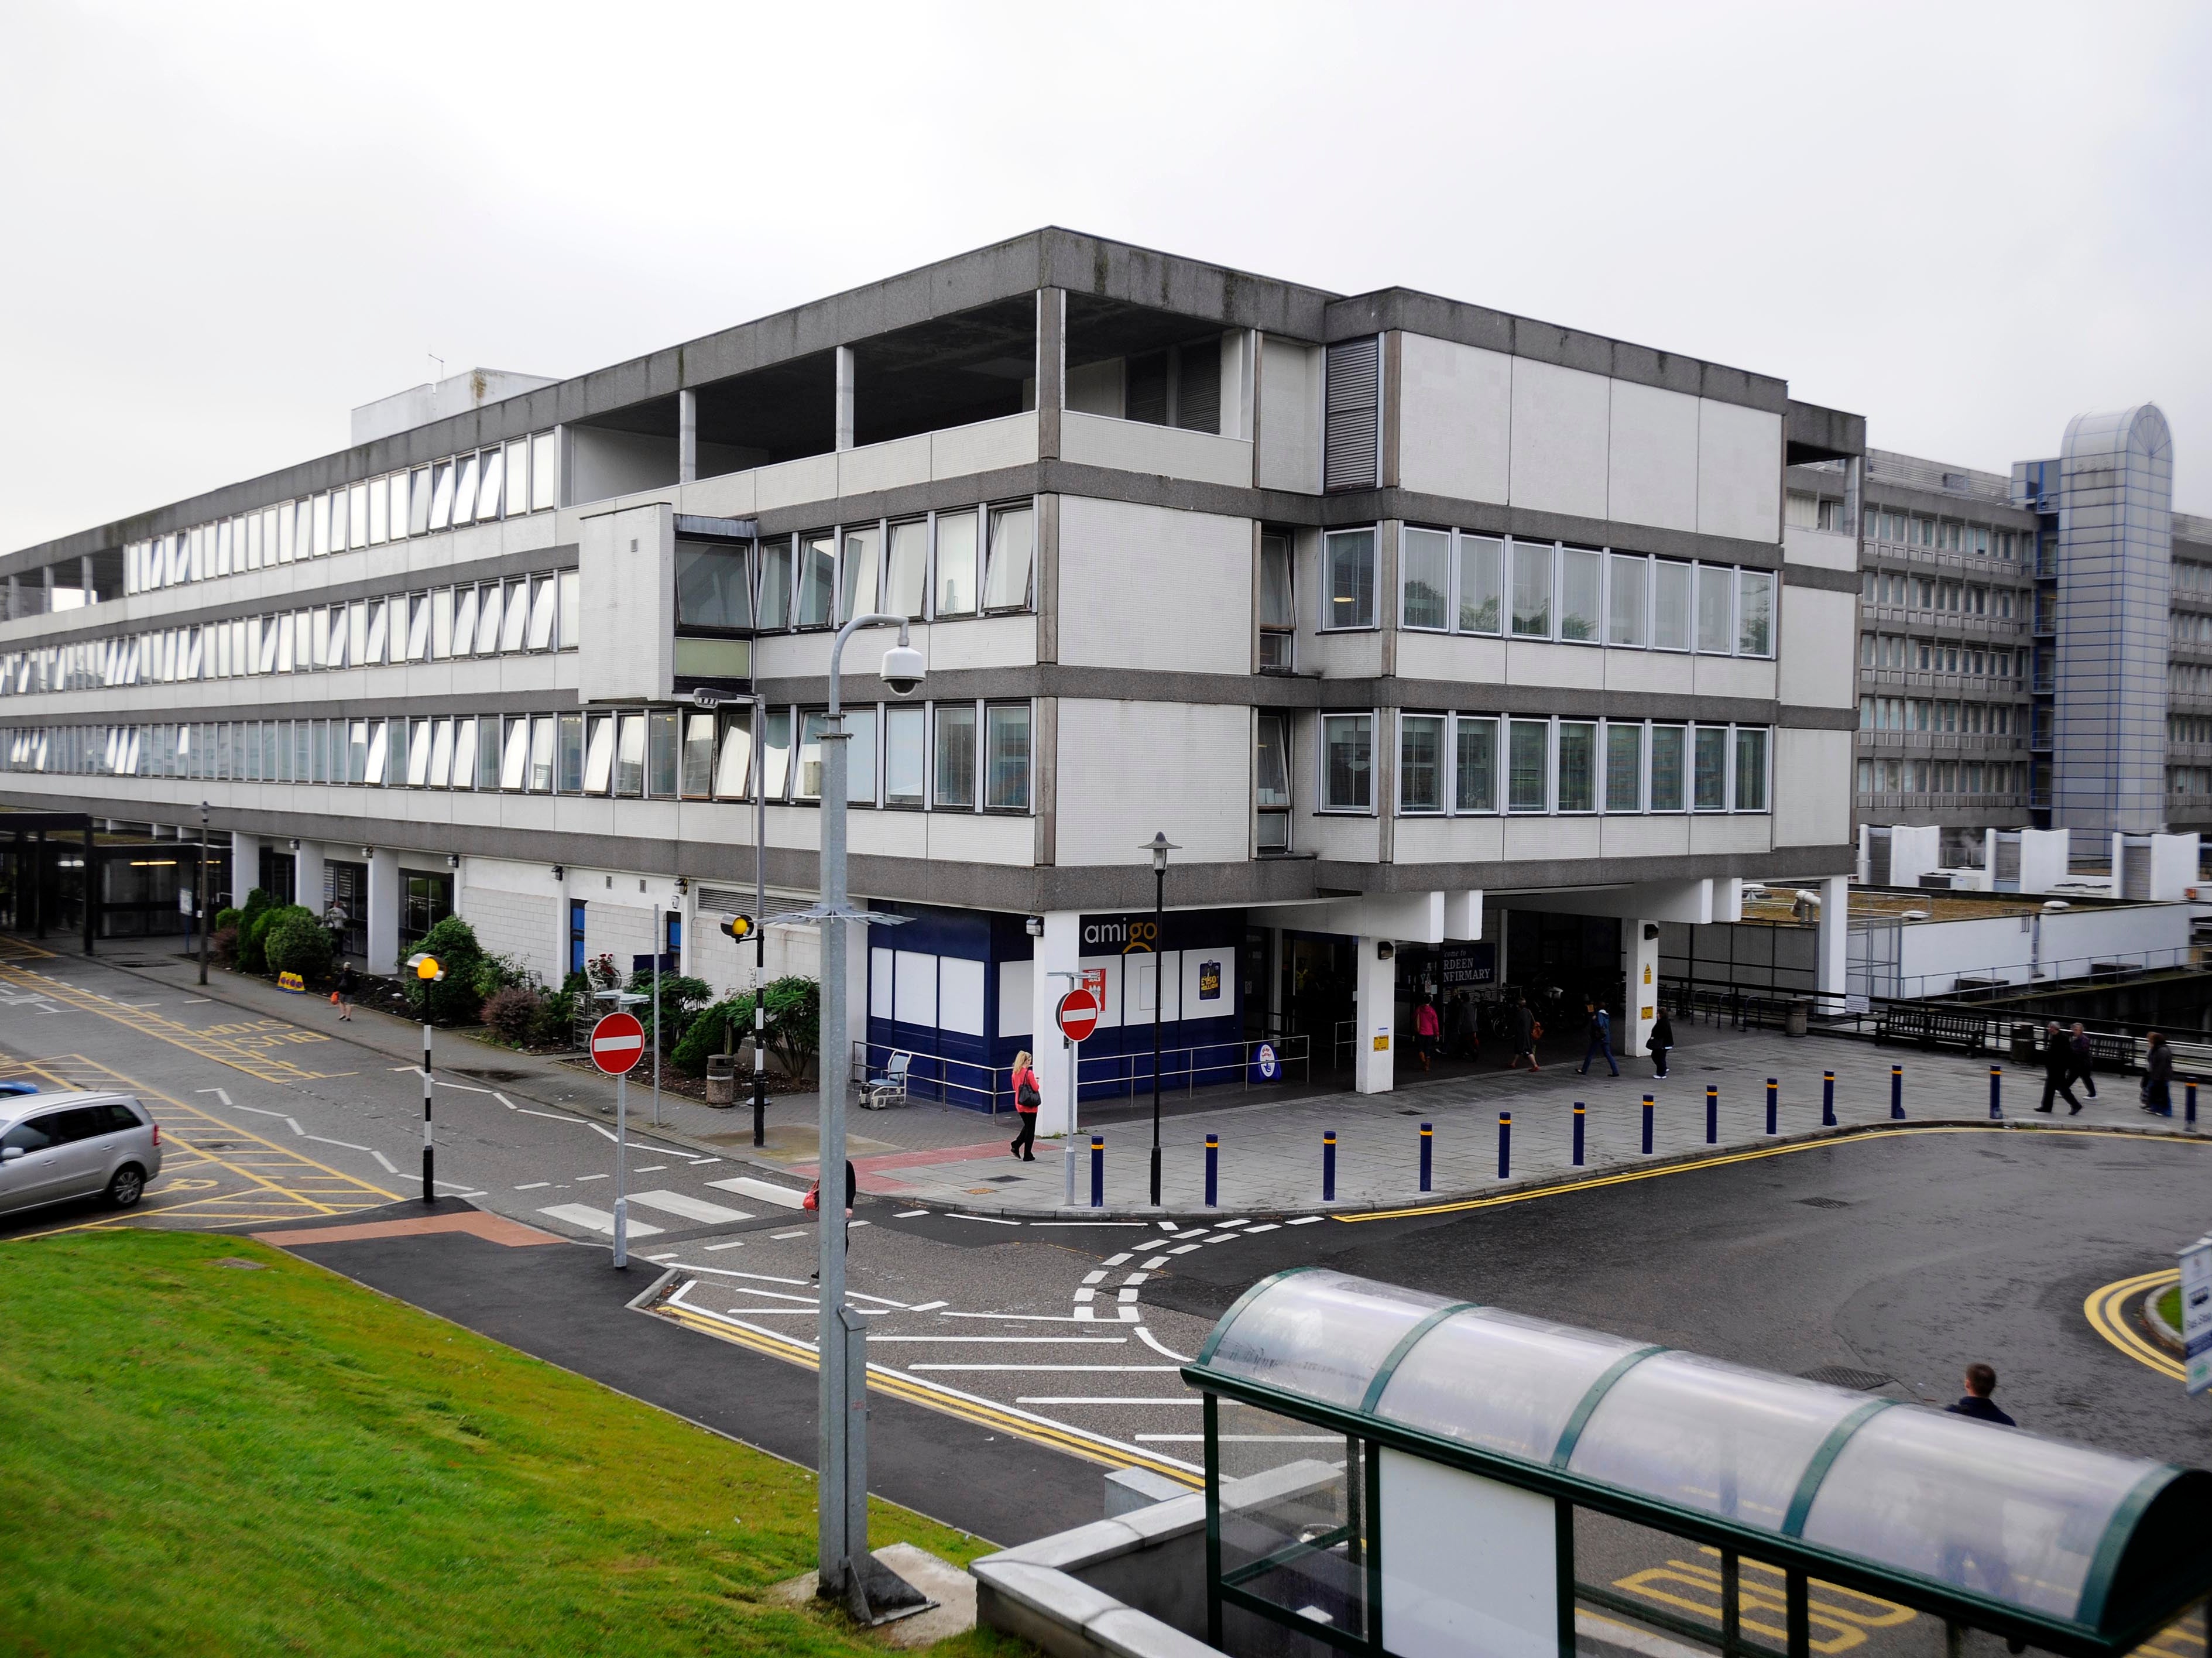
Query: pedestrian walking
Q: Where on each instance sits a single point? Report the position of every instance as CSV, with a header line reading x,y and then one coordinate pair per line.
x,y
1600,1039
1661,1040
813,1201
2057,1069
1526,1031
2158,1076
348,984
1424,1030
1028,1096
2084,1072
1461,1041
1981,1382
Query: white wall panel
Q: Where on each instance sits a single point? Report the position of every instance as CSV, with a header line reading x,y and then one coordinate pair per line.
x,y
1456,418
1812,788
1015,981
1819,634
987,446
960,995
1162,451
1561,422
1739,471
1652,465
914,977
1290,416
1822,549
1146,587
882,970
1127,769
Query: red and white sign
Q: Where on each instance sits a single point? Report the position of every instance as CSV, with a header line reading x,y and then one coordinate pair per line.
x,y
1078,1015
618,1042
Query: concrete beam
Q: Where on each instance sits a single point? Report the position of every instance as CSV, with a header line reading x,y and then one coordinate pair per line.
x,y
1698,902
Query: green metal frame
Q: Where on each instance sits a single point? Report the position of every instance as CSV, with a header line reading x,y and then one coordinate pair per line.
x,y
1816,1470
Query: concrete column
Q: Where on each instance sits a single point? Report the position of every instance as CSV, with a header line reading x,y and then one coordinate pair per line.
x,y
245,866
84,575
1375,980
687,438
1051,371
15,600
844,397
1833,945
308,861
383,919
1059,948
1639,965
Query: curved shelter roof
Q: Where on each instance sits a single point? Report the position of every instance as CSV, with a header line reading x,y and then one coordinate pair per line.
x,y
2032,1531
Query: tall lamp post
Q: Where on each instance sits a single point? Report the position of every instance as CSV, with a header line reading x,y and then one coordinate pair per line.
x,y
203,918
1160,846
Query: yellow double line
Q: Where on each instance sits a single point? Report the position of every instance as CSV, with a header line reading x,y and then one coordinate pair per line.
x,y
2104,1308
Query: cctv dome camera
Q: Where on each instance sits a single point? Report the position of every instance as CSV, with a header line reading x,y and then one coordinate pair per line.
x,y
903,669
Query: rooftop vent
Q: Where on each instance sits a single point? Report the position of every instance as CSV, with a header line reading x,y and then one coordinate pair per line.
x,y
418,406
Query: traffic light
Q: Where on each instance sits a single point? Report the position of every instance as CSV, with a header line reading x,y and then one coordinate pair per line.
x,y
738,927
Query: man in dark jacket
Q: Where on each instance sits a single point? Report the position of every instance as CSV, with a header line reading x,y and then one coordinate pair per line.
x,y
1981,1382
1524,1035
2057,1069
2078,1040
1600,1038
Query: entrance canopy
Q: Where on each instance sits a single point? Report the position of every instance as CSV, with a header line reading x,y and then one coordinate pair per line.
x,y
2069,1548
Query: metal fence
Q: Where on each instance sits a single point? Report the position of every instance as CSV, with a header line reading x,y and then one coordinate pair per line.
x,y
988,1088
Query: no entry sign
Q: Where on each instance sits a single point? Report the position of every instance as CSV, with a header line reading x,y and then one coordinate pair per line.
x,y
1078,1015
618,1042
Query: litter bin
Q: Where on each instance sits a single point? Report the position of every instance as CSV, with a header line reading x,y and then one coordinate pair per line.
x,y
2027,1050
722,1079
1793,1018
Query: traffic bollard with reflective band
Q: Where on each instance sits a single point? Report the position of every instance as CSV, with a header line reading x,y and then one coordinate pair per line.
x,y
1827,1099
1213,1171
1712,1114
1647,1126
1328,1166
1996,1093
2189,1104
1428,1146
1505,1145
1579,1134
1773,1105
1897,1092
1098,1171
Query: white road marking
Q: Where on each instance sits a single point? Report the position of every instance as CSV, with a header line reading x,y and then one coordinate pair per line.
x,y
1135,1278
1304,1220
701,1162
1104,1223
1254,1232
1082,1296
1100,1278
1062,1341
1241,1221
389,1167
1083,1317
1126,1297
1153,1342
596,1220
218,1093
1182,1249
778,1237
927,1307
691,1209
199,998
759,1278
660,1259
650,1169
533,1186
581,1178
784,1196
908,1214
739,1243
994,1220
1116,1260
1155,1263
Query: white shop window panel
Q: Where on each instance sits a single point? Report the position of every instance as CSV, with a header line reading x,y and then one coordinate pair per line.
x,y
879,983
914,992
1145,971
1104,974
1017,983
960,995
1196,981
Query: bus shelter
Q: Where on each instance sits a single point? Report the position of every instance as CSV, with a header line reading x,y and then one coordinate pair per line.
x,y
1447,1478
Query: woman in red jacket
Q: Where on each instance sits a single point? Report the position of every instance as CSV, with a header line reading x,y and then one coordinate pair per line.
x,y
1028,1096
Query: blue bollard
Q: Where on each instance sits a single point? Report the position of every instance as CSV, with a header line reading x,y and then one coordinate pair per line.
x,y
1996,1093
1897,1093
1098,1171
1647,1126
1213,1171
1773,1105
1579,1134
1827,1099
1428,1145
1712,1114
1328,1166
1505,1145
2189,1103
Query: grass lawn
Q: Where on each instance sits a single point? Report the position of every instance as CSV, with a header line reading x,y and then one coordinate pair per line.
x,y
2169,1305
204,1459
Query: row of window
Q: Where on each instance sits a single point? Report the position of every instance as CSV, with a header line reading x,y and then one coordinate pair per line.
x,y
1926,713
1804,511
504,481
2183,680
946,757
1452,763
523,613
2184,629
1452,581
1943,777
2193,781
1889,587
2192,578
2183,728
1913,530
979,560
1939,656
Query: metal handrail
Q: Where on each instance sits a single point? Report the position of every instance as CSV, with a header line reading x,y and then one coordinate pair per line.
x,y
1132,1069
980,1086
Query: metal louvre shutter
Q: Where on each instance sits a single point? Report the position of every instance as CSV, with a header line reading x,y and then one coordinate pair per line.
x,y
1198,387
1353,415
1877,857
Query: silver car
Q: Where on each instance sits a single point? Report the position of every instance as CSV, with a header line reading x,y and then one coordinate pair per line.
x,y
54,1147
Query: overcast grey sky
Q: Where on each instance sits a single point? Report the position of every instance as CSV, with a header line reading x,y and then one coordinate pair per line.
x,y
231,223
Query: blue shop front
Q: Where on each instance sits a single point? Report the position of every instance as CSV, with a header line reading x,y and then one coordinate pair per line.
x,y
951,988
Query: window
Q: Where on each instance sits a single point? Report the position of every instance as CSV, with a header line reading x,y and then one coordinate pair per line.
x,y
1754,621
775,584
1710,774
572,609
1626,596
1581,571
1007,757
1271,782
1424,578
599,755
543,597
956,564
905,755
733,765
1750,769
1527,764
441,754
1279,614
1532,589
1670,607
861,756
817,579
1012,550
465,623
1715,620
514,627
775,754
464,491
1348,564
955,770
906,574
861,574
630,756
712,585
441,497
806,782
1420,763
1347,762
1578,767
1482,583
660,755
441,626
571,778
1475,771
1666,742
698,762
1623,767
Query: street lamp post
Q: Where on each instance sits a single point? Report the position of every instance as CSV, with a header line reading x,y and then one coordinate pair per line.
x,y
203,920
1160,846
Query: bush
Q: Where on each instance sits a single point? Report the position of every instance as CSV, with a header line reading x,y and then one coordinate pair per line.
x,y
498,972
454,999
228,917
253,931
556,1019
514,1013
222,943
295,940
681,998
704,1035
794,1027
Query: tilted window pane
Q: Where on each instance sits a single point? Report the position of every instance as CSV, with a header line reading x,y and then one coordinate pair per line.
x,y
817,580
906,758
1421,763
599,755
1578,767
572,609
441,624
1750,770
629,757
1527,750
1715,608
955,769
806,782
1624,768
571,776
1006,777
357,516
494,470
1278,606
418,753
541,754
318,541
375,758
698,756
544,472
1667,746
714,585
1711,775
775,754
395,490
1755,618
1670,605
1532,589
956,564
1475,766
1424,578
861,756
358,634
441,754
1627,595
488,598
906,574
1580,573
421,492
1012,550
1482,583
1347,762
543,600
1271,770
861,573
465,622
442,494
660,755
733,769
518,477
1348,560
775,583
514,628
464,491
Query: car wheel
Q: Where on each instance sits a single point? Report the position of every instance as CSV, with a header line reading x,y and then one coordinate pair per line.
x,y
127,1186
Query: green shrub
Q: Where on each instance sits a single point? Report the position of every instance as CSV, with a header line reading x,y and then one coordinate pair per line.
x,y
295,940
681,998
454,999
794,1026
704,1035
222,943
513,1012
227,918
253,931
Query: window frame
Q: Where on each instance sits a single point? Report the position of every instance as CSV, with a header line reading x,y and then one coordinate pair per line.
x,y
1325,805
1366,618
1440,724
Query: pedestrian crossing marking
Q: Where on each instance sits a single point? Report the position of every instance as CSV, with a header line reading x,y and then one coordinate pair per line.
x,y
691,1209
765,1191
597,1220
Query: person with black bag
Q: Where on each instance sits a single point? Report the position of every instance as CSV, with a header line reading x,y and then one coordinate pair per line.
x,y
1027,1098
